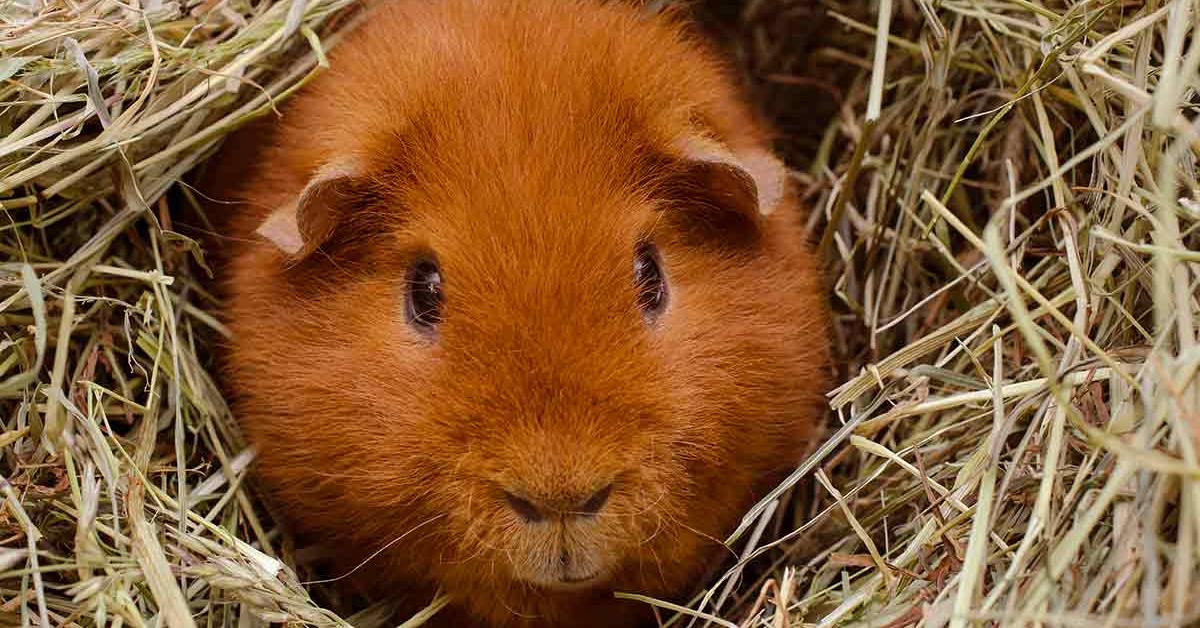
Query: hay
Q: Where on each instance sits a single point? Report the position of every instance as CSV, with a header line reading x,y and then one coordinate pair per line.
x,y
1012,188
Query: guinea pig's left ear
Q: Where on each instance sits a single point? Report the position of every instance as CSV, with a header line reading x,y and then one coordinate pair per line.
x,y
748,180
299,227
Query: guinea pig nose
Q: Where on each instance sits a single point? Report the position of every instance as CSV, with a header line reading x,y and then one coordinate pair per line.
x,y
534,510
594,503
523,507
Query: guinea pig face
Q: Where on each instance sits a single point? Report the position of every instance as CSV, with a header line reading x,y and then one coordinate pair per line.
x,y
562,489
547,391
566,374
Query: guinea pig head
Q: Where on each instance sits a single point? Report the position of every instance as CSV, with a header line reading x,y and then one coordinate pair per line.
x,y
531,360
532,373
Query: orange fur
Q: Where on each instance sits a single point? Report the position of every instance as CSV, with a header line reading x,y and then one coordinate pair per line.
x,y
528,145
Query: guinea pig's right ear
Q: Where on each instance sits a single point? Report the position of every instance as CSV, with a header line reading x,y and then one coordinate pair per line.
x,y
300,227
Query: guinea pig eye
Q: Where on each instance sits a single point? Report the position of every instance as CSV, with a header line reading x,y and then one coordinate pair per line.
x,y
423,303
649,281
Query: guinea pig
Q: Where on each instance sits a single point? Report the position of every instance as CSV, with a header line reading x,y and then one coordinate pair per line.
x,y
523,309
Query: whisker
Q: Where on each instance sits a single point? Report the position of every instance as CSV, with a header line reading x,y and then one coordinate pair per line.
x,y
376,553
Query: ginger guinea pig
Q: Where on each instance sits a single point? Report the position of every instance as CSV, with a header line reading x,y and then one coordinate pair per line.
x,y
521,295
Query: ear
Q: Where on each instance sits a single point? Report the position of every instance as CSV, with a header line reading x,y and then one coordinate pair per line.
x,y
300,227
750,181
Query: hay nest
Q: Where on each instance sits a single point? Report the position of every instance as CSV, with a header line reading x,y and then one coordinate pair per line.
x,y
1008,194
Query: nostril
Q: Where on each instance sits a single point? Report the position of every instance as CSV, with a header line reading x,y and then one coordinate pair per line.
x,y
523,507
596,501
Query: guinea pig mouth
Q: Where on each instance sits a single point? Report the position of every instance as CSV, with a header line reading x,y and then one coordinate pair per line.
x,y
577,580
571,582
577,584
564,577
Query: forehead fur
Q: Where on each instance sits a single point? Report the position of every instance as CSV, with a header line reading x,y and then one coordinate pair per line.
x,y
466,87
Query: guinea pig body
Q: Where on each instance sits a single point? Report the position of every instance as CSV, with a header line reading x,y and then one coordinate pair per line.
x,y
520,294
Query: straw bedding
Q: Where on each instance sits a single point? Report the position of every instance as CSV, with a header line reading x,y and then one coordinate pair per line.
x,y
1007,192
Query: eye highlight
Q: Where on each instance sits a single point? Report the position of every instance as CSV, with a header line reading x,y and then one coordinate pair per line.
x,y
649,281
424,297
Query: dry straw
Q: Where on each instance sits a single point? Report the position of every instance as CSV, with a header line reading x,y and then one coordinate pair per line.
x,y
1014,208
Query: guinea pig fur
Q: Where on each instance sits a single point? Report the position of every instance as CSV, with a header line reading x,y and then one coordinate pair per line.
x,y
519,293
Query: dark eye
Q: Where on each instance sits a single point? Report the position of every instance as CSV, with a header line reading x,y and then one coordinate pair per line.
x,y
423,303
649,281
